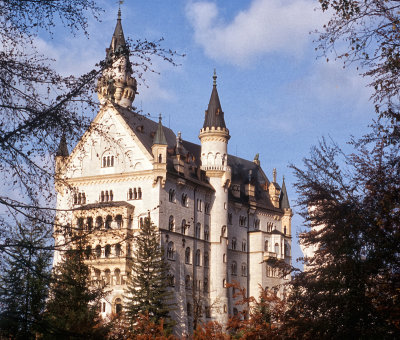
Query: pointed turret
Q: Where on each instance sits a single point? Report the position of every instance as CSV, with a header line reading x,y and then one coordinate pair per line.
x,y
116,83
118,43
214,116
62,150
284,199
159,137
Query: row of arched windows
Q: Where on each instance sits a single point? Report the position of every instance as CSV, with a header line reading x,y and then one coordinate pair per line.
x,y
108,161
80,198
106,196
108,224
185,226
114,279
234,244
109,251
135,194
196,285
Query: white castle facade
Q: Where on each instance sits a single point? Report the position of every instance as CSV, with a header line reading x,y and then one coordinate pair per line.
x,y
219,216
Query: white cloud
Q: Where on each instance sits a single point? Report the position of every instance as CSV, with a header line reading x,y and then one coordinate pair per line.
x,y
267,26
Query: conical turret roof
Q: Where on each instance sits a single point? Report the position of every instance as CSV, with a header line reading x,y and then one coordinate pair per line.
x,y
159,137
284,199
118,43
62,147
214,115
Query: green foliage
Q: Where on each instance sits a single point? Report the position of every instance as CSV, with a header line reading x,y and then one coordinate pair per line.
x,y
72,311
147,292
349,288
24,282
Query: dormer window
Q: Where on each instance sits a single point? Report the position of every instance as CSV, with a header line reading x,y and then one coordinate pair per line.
x,y
107,160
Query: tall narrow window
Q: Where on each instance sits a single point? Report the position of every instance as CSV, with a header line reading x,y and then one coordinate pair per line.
x,y
130,194
102,196
234,268
139,193
106,196
198,230
104,162
206,232
198,257
118,219
118,250
108,222
234,243
112,161
171,223
170,251
89,223
244,245
206,259
277,248
98,251
107,276
171,195
205,285
266,245
107,250
183,227
244,269
99,222
117,275
118,306
111,195
187,255
135,193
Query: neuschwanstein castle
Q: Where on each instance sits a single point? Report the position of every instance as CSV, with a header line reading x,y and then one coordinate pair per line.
x,y
219,215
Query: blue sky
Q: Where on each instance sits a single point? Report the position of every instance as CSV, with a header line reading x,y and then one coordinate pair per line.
x,y
279,99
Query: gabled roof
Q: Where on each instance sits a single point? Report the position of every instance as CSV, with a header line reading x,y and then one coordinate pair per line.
x,y
214,116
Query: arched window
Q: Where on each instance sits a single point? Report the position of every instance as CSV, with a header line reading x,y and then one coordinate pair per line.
x,y
118,219
102,196
171,223
97,273
139,193
206,232
104,162
89,223
187,255
198,230
83,198
141,222
99,222
117,274
79,198
107,250
223,230
106,197
88,252
118,306
206,259
183,227
207,208
205,285
277,248
234,243
111,195
234,268
75,199
244,269
171,195
130,194
266,245
107,276
112,161
198,257
80,222
224,283
98,251
118,250
187,282
108,222
170,251
244,246
284,230
134,193
224,258
159,158
108,161
184,200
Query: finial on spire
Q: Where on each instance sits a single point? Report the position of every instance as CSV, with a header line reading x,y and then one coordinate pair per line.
x,y
120,2
274,175
215,78
160,117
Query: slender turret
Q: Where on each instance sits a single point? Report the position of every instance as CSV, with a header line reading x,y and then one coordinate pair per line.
x,y
116,83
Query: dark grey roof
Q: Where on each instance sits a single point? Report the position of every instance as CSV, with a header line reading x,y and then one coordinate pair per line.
x,y
144,128
284,199
214,116
118,43
159,137
62,147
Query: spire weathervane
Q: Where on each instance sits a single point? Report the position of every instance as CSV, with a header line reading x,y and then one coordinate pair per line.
x,y
215,78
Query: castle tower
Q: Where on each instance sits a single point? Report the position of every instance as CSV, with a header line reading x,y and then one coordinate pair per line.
x,y
116,83
214,138
159,150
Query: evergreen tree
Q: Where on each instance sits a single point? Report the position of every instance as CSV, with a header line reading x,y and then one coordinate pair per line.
x,y
72,311
147,292
350,286
24,282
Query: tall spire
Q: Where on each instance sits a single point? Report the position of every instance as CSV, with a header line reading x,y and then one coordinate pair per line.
x,y
116,83
214,115
284,199
159,137
62,147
